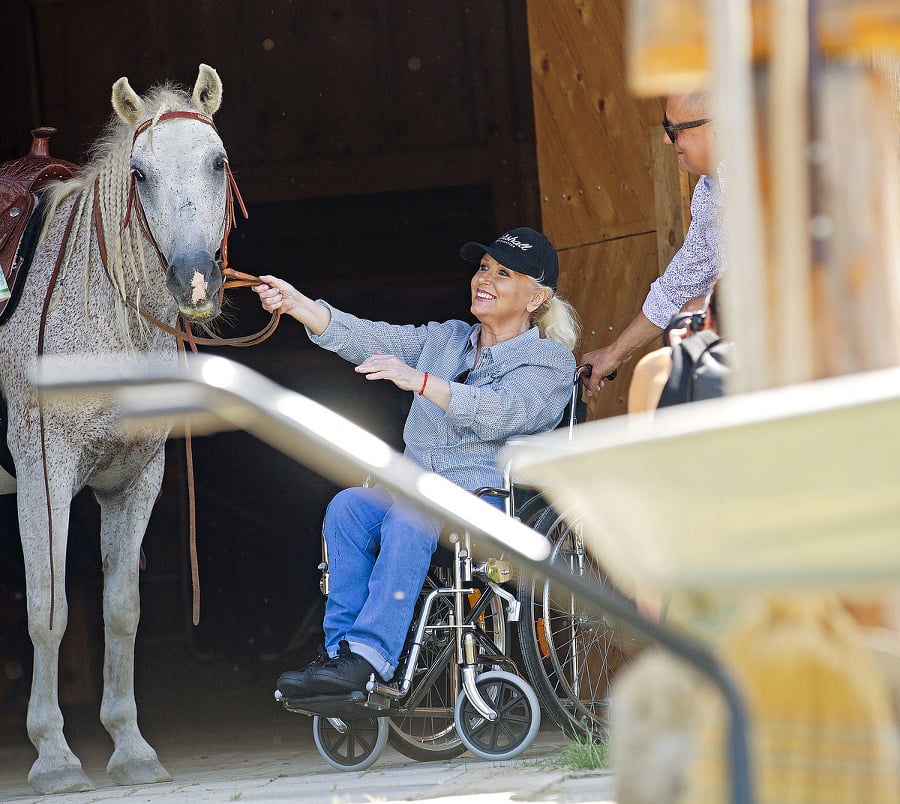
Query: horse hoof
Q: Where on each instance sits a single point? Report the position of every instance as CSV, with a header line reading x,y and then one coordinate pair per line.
x,y
61,780
139,771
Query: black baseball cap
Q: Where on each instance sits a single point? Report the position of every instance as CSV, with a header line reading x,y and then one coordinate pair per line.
x,y
523,250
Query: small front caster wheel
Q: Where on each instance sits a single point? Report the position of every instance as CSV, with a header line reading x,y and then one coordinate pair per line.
x,y
517,724
354,748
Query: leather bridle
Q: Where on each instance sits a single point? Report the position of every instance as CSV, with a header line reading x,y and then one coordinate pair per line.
x,y
232,278
181,332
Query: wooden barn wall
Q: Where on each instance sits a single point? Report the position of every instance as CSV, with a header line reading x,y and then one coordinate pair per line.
x,y
611,193
322,98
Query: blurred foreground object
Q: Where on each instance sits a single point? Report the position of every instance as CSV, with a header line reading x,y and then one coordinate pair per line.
x,y
823,726
806,93
668,40
790,487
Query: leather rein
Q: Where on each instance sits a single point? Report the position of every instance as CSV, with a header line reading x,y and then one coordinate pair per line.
x,y
181,332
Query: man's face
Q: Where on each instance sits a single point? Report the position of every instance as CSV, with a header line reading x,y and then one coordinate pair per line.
x,y
694,146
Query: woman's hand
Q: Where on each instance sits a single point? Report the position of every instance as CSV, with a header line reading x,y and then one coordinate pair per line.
x,y
387,367
276,294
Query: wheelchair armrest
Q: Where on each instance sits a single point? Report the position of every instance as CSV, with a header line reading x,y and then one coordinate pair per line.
x,y
490,491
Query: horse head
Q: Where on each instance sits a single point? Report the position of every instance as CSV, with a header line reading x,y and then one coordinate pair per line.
x,y
181,190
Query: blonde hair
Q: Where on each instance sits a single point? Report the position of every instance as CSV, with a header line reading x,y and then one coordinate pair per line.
x,y
556,319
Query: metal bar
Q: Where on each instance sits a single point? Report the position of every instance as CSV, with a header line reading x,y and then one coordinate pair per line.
x,y
339,449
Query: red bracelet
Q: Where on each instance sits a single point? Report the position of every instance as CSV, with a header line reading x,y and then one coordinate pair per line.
x,y
424,383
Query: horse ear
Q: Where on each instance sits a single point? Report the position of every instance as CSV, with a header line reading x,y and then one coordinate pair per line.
x,y
126,102
207,95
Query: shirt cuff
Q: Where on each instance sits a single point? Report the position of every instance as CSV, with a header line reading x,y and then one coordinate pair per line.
x,y
657,306
337,334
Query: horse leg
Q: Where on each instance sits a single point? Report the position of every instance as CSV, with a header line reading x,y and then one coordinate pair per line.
x,y
124,517
56,769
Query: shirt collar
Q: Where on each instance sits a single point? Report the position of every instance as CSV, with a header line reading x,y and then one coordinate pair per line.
x,y
498,350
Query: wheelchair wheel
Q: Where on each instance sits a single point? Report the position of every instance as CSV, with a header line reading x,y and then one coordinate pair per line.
x,y
425,728
515,728
571,654
355,749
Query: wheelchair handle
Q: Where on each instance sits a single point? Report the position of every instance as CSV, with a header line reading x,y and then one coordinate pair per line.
x,y
586,369
581,372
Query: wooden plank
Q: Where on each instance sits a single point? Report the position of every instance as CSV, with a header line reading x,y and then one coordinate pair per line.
x,y
672,220
612,198
607,283
593,148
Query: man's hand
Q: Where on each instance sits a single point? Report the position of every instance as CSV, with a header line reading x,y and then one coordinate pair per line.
x,y
607,359
603,362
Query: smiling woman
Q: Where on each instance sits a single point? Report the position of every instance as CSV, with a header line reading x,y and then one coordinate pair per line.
x,y
517,365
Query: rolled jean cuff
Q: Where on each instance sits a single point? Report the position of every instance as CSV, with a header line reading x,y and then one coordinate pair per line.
x,y
382,666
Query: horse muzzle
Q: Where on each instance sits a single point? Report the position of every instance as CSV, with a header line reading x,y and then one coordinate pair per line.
x,y
195,289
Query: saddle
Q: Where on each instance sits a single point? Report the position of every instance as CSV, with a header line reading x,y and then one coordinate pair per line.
x,y
21,215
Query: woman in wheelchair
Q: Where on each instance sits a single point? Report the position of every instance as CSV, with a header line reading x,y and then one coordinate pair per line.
x,y
475,386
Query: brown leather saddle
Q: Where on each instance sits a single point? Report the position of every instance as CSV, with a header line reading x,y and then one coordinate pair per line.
x,y
21,215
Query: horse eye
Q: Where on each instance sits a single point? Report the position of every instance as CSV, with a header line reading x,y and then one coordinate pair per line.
x,y
138,174
220,162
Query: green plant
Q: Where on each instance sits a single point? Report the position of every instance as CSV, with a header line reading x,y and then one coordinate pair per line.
x,y
583,753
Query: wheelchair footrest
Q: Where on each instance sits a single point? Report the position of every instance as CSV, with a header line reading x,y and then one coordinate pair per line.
x,y
347,705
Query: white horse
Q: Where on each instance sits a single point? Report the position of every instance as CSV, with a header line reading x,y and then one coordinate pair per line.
x,y
133,236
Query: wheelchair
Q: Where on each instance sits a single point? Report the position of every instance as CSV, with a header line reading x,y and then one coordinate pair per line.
x,y
456,687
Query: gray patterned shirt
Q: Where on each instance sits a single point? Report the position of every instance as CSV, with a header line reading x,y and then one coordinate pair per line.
x,y
698,263
519,387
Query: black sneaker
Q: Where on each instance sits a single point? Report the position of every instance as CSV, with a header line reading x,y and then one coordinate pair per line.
x,y
292,683
347,672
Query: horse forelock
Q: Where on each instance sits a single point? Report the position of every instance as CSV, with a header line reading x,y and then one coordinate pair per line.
x,y
109,169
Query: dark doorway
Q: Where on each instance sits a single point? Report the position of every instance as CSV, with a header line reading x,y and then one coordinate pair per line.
x,y
392,257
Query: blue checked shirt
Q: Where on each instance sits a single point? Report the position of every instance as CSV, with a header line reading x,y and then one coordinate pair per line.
x,y
699,262
518,388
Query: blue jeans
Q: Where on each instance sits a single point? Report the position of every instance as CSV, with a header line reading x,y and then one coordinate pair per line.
x,y
379,552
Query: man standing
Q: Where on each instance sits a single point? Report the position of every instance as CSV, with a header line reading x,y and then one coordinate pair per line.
x,y
689,277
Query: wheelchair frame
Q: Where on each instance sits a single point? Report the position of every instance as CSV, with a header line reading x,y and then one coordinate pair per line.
x,y
457,688
486,707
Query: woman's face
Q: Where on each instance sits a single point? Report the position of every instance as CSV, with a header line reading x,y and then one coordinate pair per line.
x,y
502,297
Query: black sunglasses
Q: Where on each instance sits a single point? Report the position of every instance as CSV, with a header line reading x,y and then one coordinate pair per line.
x,y
672,129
